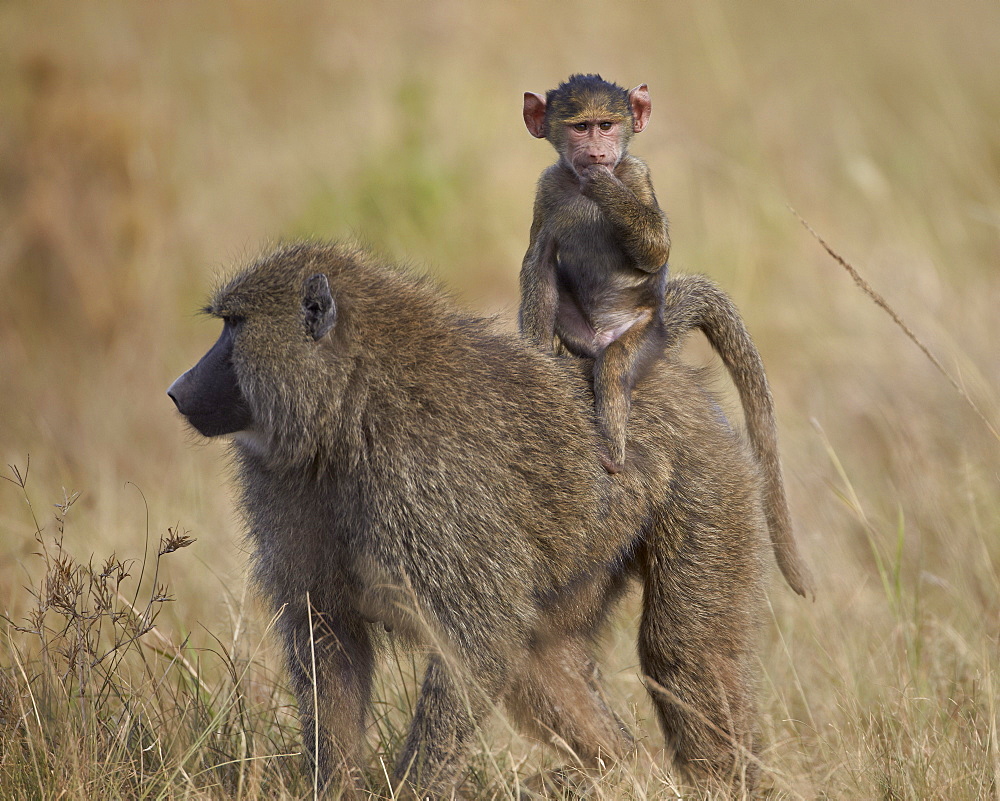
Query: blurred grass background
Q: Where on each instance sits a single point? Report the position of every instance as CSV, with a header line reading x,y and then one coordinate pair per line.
x,y
145,148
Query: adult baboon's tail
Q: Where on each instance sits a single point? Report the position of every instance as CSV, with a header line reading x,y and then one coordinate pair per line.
x,y
694,301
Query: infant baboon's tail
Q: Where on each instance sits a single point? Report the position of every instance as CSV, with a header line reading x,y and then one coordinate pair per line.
x,y
694,301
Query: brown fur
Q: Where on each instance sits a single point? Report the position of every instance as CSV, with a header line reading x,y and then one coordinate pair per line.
x,y
694,301
597,260
410,468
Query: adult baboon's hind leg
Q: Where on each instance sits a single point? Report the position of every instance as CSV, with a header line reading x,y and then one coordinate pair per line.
x,y
558,698
451,704
697,649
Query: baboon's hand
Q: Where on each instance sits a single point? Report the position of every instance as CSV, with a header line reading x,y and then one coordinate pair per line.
x,y
594,175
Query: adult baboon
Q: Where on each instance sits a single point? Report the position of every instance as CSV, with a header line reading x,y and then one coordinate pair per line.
x,y
404,466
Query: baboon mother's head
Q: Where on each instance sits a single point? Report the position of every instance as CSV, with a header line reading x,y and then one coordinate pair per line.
x,y
272,374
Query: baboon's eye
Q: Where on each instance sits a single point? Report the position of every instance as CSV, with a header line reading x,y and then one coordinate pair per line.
x,y
580,126
607,126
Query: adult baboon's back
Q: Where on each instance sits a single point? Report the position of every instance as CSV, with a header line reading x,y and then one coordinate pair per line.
x,y
402,465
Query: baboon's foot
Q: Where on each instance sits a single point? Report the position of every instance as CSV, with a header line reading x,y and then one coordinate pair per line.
x,y
566,782
610,464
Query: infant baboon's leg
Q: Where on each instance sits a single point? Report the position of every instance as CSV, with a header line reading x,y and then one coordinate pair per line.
x,y
616,371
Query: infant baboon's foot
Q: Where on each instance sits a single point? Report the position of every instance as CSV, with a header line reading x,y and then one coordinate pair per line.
x,y
610,464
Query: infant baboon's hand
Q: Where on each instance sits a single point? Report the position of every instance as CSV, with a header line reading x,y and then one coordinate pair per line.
x,y
593,175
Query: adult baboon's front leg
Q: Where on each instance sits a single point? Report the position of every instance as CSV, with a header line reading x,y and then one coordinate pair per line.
x,y
331,676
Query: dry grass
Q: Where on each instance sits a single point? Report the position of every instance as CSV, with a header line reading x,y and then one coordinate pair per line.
x,y
144,147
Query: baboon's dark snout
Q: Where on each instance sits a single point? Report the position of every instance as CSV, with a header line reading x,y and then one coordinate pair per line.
x,y
174,393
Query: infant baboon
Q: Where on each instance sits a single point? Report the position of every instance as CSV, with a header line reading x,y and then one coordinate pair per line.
x,y
595,279
404,467
595,266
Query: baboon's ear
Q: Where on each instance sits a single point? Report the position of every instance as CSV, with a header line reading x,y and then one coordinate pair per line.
x,y
638,98
318,306
534,114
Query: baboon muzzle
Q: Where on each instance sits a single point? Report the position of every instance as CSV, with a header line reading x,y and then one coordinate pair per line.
x,y
209,394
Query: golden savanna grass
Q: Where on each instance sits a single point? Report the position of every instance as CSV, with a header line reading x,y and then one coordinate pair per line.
x,y
146,147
